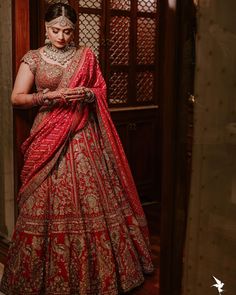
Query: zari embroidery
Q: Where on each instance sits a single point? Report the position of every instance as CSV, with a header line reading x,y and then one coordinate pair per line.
x,y
80,229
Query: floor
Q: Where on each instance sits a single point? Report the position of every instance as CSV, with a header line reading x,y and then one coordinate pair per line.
x,y
151,284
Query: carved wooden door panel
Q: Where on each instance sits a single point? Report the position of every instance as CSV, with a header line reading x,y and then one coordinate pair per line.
x,y
123,34
131,72
131,53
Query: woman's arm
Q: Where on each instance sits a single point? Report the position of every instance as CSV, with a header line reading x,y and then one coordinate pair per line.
x,y
24,81
22,98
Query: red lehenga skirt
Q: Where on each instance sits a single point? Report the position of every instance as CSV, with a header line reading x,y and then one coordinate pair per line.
x,y
77,232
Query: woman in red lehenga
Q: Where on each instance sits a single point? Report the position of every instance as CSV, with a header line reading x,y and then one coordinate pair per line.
x,y
81,228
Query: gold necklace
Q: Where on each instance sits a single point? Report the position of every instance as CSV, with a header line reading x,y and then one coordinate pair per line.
x,y
62,56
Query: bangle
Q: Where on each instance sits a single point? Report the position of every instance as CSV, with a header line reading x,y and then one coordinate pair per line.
x,y
37,99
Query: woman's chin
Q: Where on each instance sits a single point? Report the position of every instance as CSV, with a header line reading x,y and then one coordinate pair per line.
x,y
59,45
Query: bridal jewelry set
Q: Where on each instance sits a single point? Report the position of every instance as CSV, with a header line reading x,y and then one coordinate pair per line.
x,y
62,56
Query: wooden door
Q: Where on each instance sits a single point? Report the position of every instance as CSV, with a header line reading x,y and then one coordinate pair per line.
x,y
178,27
131,42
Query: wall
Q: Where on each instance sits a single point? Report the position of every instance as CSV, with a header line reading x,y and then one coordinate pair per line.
x,y
6,126
211,233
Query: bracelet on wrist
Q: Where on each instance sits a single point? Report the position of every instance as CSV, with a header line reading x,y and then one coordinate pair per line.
x,y
39,98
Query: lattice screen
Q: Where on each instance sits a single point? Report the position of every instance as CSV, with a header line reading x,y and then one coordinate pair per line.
x,y
125,37
89,31
118,88
90,24
90,3
145,81
119,40
122,4
147,5
146,40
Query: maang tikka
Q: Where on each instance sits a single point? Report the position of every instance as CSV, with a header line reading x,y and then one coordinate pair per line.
x,y
62,20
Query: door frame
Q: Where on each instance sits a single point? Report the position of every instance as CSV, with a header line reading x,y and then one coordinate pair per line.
x,y
173,188
178,24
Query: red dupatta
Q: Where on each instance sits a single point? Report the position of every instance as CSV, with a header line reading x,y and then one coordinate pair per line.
x,y
45,144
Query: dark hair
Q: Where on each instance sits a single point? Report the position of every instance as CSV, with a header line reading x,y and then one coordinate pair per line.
x,y
55,10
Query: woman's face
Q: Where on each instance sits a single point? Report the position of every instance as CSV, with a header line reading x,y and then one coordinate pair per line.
x,y
60,36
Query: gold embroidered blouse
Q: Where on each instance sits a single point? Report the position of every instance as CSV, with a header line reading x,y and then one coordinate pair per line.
x,y
47,75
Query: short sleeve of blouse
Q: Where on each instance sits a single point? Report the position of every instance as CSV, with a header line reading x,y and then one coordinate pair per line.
x,y
31,58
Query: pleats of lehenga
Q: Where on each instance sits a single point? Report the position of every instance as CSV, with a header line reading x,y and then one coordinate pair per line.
x,y
76,234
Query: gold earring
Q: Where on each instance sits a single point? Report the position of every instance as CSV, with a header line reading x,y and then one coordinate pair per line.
x,y
72,43
47,41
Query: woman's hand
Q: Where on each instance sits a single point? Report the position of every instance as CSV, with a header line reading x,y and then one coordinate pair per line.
x,y
77,93
81,94
66,94
70,94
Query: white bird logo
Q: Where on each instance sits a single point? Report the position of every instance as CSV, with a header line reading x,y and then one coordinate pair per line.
x,y
219,285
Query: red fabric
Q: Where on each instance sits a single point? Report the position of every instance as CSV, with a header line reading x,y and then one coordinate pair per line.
x,y
81,228
42,145
52,134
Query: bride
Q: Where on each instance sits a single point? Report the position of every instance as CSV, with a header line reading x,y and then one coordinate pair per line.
x,y
81,228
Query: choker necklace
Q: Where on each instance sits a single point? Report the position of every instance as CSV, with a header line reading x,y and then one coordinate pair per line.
x,y
61,56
